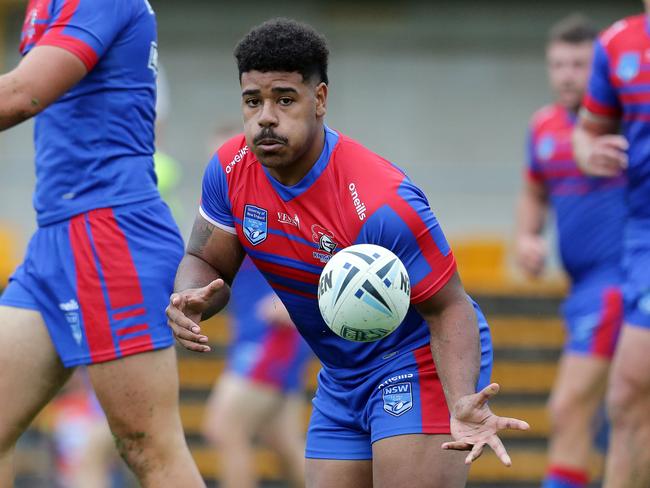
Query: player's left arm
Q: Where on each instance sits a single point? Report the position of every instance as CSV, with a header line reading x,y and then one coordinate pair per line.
x,y
456,351
41,78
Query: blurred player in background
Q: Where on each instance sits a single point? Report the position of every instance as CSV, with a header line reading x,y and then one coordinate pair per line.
x,y
260,395
83,448
289,163
590,215
98,271
612,137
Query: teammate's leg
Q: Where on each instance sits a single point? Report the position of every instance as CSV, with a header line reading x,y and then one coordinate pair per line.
x,y
285,434
32,375
628,402
139,395
577,394
236,412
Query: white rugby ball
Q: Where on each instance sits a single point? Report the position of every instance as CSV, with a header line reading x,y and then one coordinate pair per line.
x,y
364,292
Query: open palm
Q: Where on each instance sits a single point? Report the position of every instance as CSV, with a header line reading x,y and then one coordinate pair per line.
x,y
473,426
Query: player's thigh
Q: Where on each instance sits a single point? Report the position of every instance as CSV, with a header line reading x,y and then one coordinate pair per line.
x,y
32,370
581,380
238,403
139,394
328,473
417,460
630,376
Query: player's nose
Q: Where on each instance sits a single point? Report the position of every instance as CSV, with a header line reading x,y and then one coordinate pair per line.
x,y
268,116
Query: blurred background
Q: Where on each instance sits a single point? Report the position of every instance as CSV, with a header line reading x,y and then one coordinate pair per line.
x,y
443,89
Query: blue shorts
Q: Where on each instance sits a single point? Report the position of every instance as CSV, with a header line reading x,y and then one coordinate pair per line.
x,y
101,281
593,316
636,291
402,396
278,359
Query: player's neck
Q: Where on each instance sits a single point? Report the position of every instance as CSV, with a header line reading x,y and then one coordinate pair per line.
x,y
293,174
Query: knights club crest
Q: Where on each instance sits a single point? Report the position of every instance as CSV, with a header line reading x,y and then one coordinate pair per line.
x,y
629,65
255,224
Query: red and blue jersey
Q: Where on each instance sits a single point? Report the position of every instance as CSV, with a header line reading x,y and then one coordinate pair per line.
x,y
620,88
350,196
589,211
94,146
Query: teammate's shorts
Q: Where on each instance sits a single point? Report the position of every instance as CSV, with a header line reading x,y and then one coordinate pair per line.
x,y
636,291
278,360
101,281
403,396
593,316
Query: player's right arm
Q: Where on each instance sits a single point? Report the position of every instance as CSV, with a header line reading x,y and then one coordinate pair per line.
x,y
531,212
201,288
211,261
41,78
598,148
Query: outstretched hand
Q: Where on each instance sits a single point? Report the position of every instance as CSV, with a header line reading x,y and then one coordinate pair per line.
x,y
473,426
184,315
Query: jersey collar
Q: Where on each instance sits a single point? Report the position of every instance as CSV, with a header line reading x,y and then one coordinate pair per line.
x,y
290,192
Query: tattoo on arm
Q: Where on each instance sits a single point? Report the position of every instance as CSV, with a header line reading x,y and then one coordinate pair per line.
x,y
201,233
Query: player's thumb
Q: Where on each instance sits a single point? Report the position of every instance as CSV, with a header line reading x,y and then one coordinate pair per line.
x,y
212,288
488,392
616,141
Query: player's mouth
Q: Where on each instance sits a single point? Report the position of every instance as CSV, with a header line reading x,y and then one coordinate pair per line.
x,y
270,144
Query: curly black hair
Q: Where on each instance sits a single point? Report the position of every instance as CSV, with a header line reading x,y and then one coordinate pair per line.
x,y
284,45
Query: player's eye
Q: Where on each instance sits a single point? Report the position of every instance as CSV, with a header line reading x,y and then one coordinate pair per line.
x,y
252,102
285,101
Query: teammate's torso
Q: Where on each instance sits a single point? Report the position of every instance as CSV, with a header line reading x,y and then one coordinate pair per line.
x,y
590,212
291,232
626,46
94,146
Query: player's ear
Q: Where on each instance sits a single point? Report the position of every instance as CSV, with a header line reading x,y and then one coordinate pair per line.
x,y
321,99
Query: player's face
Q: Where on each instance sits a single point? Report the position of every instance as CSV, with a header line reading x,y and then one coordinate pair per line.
x,y
283,120
569,66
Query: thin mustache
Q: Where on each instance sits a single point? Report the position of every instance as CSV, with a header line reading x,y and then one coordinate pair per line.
x,y
269,134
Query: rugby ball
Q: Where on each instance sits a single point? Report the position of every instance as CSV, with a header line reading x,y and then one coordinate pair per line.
x,y
364,292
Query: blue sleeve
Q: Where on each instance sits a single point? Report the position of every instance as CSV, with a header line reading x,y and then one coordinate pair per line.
x,y
601,97
87,28
215,204
407,226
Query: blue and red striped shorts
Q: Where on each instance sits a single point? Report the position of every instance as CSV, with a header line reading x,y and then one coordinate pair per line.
x,y
593,317
101,281
402,396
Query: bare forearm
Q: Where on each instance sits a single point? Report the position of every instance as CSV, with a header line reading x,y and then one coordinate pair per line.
x,y
15,104
531,212
194,272
583,140
456,349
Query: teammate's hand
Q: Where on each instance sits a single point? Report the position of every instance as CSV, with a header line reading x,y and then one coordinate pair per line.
x,y
184,314
271,310
531,253
607,156
473,426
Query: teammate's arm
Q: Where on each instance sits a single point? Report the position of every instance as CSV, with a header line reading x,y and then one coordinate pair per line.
x,y
42,77
532,209
597,147
201,289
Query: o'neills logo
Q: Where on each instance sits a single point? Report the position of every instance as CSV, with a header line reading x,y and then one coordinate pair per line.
x,y
359,206
238,157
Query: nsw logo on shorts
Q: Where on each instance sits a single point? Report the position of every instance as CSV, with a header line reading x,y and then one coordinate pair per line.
x,y
398,398
255,224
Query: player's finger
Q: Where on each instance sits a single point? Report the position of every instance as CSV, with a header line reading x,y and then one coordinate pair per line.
x,y
510,423
488,392
181,333
209,290
613,158
497,446
475,453
177,300
178,318
615,140
456,446
193,346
